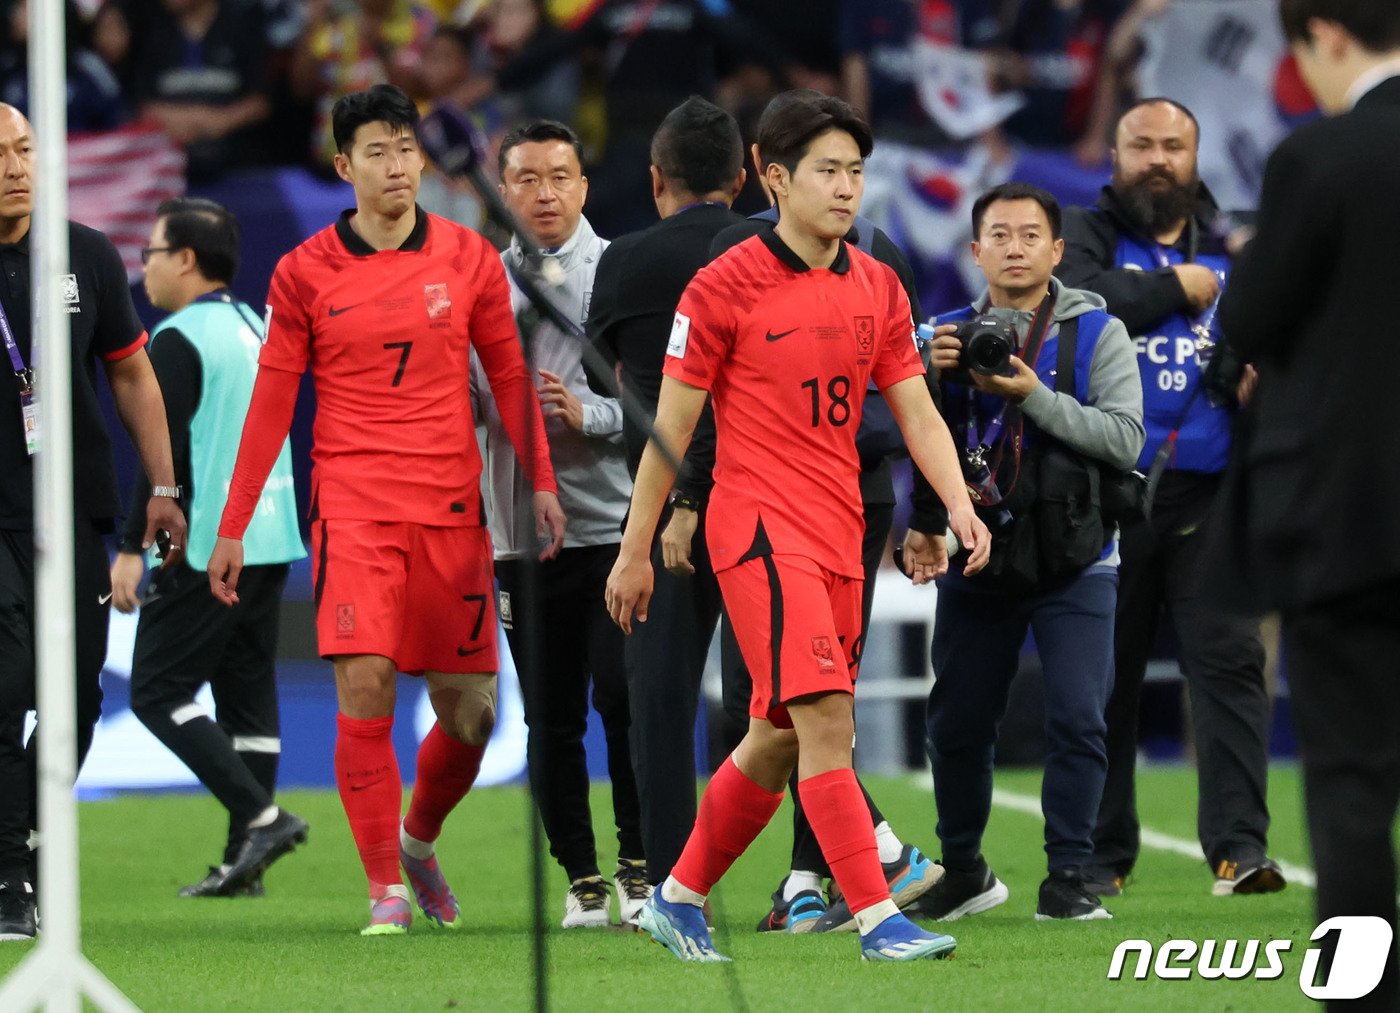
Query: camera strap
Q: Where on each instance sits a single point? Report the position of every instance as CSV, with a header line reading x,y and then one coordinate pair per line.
x,y
1205,346
1005,428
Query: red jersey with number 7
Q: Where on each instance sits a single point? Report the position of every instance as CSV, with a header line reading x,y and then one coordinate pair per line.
x,y
787,353
387,336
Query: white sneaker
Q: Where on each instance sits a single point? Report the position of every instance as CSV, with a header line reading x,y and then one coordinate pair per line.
x,y
633,889
587,904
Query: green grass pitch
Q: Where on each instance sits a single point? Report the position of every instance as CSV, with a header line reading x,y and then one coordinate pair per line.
x,y
298,948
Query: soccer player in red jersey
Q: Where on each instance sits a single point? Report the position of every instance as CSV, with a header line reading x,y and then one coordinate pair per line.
x,y
384,306
784,332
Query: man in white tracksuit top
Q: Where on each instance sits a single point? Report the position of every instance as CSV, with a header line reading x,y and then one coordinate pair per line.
x,y
543,183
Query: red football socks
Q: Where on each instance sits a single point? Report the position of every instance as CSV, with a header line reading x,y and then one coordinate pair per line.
x,y
447,770
367,773
733,811
841,820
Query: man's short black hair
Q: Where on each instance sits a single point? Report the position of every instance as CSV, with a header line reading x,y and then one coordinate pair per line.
x,y
794,119
1159,100
381,103
534,132
699,145
206,227
1017,191
1373,23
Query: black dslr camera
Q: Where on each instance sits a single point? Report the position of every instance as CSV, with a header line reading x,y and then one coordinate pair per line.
x,y
987,346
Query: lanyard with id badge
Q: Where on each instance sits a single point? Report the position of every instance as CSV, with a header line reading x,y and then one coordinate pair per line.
x,y
28,397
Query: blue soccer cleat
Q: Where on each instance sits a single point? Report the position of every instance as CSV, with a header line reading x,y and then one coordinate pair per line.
x,y
897,938
680,928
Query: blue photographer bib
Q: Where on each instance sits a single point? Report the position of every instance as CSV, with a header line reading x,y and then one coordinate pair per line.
x,y
1171,368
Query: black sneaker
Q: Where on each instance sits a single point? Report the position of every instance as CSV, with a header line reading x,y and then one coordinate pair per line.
x,y
263,847
1256,875
1103,882
210,886
17,918
1065,897
909,877
797,915
957,894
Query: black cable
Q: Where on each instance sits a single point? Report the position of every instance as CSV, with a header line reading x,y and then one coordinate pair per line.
x,y
738,1001
452,145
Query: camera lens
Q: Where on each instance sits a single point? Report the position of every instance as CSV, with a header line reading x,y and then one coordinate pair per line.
x,y
987,351
987,354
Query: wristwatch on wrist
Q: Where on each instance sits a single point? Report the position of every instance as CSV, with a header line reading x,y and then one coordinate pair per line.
x,y
169,491
680,501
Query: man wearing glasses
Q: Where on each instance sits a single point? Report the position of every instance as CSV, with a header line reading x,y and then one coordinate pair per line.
x,y
205,355
542,182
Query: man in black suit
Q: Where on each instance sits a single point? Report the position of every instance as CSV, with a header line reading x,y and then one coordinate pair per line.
x,y
697,171
1309,519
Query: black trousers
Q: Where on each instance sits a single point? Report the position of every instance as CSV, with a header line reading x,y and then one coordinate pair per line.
x,y
18,635
806,852
578,642
1223,661
665,663
185,638
1343,660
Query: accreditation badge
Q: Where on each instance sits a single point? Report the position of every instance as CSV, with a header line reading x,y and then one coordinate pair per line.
x,y
29,415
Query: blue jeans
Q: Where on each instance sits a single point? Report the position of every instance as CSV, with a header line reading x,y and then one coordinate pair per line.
x,y
977,639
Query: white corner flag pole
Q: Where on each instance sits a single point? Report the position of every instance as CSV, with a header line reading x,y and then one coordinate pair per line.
x,y
55,975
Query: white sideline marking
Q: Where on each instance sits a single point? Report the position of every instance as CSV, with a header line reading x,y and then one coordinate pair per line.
x,y
1153,839
1030,806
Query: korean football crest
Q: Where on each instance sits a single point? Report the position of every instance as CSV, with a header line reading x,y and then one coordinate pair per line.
x,y
439,305
865,335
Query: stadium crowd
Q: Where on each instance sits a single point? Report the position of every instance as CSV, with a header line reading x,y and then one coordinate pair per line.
x,y
242,83
1092,444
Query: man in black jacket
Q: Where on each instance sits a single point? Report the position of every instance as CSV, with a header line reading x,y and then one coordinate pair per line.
x,y
1155,248
104,328
1309,514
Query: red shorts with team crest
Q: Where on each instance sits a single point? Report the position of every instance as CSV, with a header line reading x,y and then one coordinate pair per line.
x,y
797,625
421,596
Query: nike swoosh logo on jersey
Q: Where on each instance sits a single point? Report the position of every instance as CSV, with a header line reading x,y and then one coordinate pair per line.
x,y
344,309
781,334
462,652
103,599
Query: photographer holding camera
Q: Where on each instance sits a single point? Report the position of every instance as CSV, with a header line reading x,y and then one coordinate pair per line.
x,y
1156,247
1045,435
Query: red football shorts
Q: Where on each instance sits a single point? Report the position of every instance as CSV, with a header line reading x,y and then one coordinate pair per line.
x,y
421,596
797,625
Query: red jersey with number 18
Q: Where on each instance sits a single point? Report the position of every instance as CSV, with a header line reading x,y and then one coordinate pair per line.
x,y
387,335
787,353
